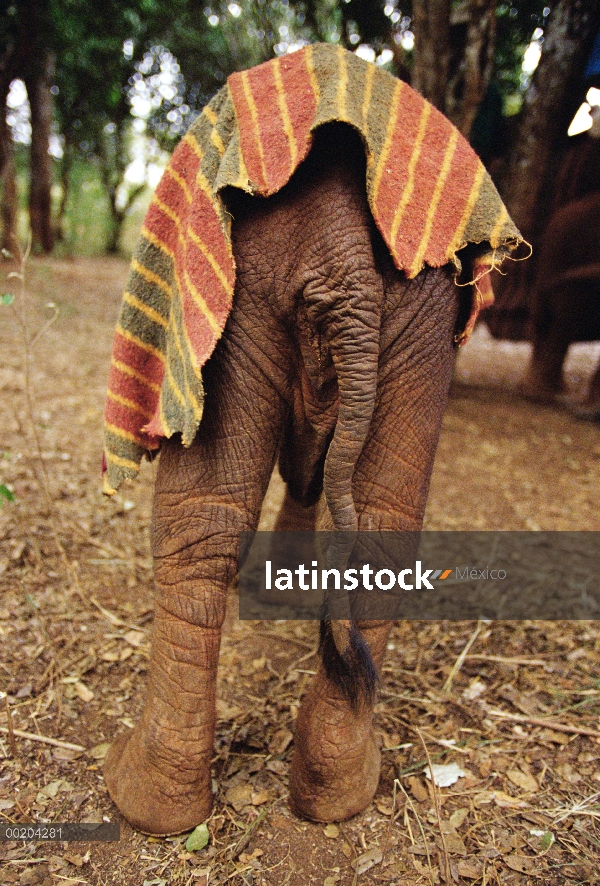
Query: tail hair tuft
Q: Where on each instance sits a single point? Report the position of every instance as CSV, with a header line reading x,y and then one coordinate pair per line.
x,y
354,671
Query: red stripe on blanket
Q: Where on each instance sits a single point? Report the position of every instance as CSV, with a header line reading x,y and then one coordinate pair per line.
x,y
186,162
300,98
164,229
136,356
271,131
132,389
205,280
395,175
130,422
195,322
249,136
149,367
427,169
206,226
453,202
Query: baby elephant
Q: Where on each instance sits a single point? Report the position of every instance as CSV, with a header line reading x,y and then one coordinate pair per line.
x,y
566,299
305,237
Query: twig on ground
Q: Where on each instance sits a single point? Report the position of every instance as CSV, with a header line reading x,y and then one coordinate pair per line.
x,y
388,831
588,806
101,546
55,742
461,658
238,847
410,803
10,729
17,861
503,659
114,619
542,721
436,800
294,665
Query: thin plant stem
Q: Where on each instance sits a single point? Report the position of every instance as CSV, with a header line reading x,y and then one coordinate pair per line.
x,y
42,476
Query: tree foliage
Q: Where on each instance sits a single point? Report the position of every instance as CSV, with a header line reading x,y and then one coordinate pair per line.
x,y
110,56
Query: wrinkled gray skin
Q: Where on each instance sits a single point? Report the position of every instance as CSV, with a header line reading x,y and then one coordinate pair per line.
x,y
325,338
566,300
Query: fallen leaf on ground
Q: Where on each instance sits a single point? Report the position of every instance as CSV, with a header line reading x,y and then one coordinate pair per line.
x,y
475,688
226,711
505,801
84,693
555,737
49,791
134,638
418,789
56,863
470,870
367,860
523,780
99,751
458,816
280,741
75,859
245,857
521,863
239,795
445,774
385,806
198,839
454,844
110,656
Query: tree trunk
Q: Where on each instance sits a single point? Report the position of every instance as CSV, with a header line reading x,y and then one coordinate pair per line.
x,y
10,205
431,20
556,91
114,232
65,184
474,65
117,215
38,83
8,63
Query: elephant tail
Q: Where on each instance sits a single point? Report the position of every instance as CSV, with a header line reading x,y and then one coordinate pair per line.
x,y
354,344
355,352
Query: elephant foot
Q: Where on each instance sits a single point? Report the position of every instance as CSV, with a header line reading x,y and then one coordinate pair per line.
x,y
543,382
535,390
336,762
586,411
152,802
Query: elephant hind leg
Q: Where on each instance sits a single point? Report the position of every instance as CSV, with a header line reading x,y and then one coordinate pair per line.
x,y
159,774
551,339
544,378
590,408
158,785
336,761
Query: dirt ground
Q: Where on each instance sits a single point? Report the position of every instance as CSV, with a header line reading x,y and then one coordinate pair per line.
x,y
519,712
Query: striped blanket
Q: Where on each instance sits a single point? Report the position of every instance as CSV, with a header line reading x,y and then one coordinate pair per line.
x,y
428,192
